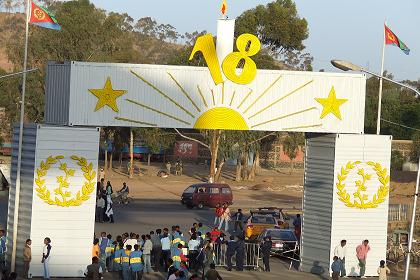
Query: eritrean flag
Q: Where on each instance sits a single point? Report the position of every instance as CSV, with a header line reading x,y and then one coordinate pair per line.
x,y
42,17
392,39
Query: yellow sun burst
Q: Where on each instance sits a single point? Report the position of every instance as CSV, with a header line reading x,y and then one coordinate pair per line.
x,y
221,118
210,112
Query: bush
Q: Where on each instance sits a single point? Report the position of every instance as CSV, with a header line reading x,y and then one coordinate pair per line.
x,y
397,161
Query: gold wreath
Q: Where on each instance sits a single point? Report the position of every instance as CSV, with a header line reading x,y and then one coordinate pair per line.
x,y
66,200
378,198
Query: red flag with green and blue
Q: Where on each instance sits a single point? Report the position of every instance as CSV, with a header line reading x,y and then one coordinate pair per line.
x,y
392,39
42,17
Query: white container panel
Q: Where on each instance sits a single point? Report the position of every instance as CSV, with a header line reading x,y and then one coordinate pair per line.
x,y
274,101
353,224
64,225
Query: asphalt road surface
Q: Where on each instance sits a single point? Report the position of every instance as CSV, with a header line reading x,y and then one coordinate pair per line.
x,y
142,216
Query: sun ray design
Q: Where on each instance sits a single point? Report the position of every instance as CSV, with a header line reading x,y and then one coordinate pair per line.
x,y
246,97
161,93
157,111
281,98
202,96
262,94
223,93
303,126
184,92
134,121
233,97
285,116
212,95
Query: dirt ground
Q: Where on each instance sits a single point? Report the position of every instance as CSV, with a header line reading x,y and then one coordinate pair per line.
x,y
271,188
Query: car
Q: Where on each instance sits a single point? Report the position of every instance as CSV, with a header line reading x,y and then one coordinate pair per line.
x,y
284,240
257,223
207,195
283,220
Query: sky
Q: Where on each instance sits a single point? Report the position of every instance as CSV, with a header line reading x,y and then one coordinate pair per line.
x,y
338,29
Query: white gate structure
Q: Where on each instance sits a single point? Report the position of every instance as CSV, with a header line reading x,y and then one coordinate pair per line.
x,y
346,172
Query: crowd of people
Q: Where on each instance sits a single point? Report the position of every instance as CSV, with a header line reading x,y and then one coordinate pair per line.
x,y
338,266
194,254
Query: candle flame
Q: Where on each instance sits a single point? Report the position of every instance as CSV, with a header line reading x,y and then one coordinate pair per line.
x,y
224,7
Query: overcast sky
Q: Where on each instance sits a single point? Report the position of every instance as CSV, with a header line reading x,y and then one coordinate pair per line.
x,y
344,29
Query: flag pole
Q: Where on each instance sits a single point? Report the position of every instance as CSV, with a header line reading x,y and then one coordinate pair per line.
x,y
19,161
378,124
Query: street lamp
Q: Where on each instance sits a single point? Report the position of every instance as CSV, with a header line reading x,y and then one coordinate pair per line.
x,y
348,66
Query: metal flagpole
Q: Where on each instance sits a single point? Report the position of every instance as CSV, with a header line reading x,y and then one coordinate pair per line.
x,y
413,222
19,162
378,124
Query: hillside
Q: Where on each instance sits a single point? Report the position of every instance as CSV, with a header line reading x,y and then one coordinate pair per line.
x,y
7,24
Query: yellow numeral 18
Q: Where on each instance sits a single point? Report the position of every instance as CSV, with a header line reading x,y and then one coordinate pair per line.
x,y
205,45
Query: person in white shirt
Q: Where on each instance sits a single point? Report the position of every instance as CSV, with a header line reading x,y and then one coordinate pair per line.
x,y
131,241
147,250
193,248
46,255
340,251
166,248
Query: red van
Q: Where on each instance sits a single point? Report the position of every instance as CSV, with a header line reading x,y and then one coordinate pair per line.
x,y
207,194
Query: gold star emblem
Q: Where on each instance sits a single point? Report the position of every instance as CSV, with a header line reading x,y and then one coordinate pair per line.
x,y
107,96
331,104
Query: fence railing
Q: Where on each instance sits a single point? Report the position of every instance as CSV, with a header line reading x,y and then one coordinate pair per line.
x,y
251,257
399,212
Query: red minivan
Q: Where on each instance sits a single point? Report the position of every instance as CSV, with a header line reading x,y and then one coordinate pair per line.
x,y
207,194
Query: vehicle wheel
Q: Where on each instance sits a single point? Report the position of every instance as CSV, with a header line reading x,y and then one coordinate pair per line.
x,y
200,205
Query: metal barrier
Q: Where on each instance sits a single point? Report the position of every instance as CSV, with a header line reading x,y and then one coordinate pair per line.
x,y
251,258
399,212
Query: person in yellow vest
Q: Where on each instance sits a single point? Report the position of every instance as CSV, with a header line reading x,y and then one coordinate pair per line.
x,y
109,251
125,263
136,266
119,250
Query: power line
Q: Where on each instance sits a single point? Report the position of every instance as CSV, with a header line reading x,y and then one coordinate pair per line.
x,y
398,124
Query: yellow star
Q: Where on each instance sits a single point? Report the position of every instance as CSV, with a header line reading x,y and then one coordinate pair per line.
x,y
107,96
331,104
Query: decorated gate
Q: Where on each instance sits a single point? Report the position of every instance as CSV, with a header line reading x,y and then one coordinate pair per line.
x,y
346,176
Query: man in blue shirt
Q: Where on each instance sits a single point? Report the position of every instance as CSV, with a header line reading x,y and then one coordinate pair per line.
x,y
136,264
336,268
2,250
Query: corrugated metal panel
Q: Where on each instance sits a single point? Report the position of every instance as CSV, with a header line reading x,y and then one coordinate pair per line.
x,y
274,101
25,203
317,203
355,224
57,95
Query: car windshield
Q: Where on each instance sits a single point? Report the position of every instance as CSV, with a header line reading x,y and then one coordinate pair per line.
x,y
263,220
189,190
281,234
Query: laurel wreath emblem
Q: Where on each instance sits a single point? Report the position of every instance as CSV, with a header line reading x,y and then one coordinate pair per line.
x,y
361,201
63,197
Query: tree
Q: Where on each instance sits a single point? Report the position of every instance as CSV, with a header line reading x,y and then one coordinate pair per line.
x,y
155,139
291,145
415,149
280,30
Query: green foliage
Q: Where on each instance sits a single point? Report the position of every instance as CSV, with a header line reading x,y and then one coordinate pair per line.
x,y
291,144
397,161
278,25
415,150
281,32
399,105
155,139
